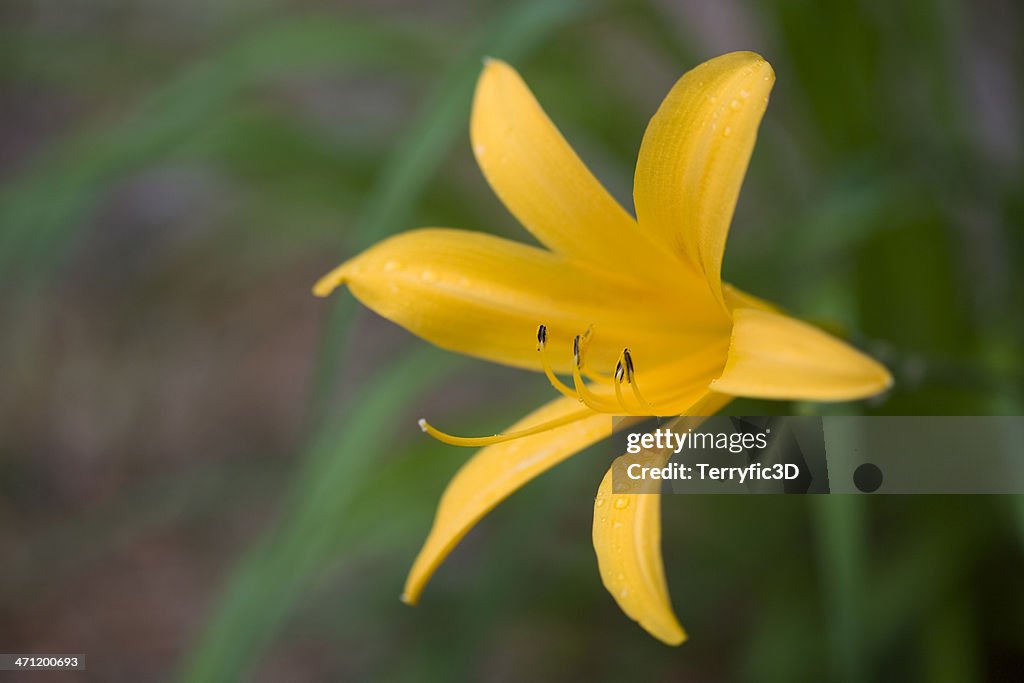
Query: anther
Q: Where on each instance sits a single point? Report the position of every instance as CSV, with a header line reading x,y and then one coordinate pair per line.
x,y
542,336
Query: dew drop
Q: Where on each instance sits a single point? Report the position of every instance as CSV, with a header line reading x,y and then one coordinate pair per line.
x,y
392,265
728,131
735,104
621,502
479,149
624,593
599,502
744,93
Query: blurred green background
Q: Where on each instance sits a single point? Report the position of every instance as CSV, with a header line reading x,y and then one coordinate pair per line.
x,y
209,475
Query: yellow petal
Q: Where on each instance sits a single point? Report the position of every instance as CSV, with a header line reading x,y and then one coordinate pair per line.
x,y
775,356
737,298
493,473
485,296
545,185
627,535
627,540
694,156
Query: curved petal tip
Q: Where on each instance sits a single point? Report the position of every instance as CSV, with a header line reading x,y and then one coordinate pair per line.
x,y
627,541
328,283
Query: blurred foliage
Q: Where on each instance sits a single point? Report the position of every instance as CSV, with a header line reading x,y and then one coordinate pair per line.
x,y
224,476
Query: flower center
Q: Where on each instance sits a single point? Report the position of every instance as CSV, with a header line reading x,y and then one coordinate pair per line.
x,y
624,371
599,400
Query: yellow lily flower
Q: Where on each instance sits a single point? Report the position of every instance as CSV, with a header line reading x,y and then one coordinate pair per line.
x,y
633,310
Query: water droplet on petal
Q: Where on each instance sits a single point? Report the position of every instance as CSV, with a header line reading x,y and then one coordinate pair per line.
x,y
728,131
392,265
599,502
622,502
735,104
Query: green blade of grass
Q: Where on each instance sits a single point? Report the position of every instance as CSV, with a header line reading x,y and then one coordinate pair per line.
x,y
840,539
274,572
271,578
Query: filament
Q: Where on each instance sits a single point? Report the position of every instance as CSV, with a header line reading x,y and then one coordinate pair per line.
x,y
619,374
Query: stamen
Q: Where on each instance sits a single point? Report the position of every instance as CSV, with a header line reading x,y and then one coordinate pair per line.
x,y
619,375
631,378
542,340
586,395
502,438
